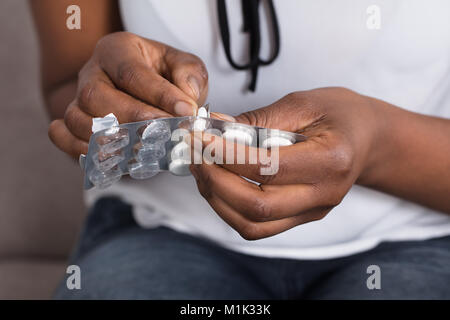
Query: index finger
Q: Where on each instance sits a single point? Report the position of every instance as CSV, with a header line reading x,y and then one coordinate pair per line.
x,y
141,77
98,96
303,162
258,203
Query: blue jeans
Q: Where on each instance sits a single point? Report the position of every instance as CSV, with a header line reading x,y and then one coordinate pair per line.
x,y
120,260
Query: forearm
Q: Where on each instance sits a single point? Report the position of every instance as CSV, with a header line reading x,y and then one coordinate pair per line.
x,y
411,157
58,98
64,51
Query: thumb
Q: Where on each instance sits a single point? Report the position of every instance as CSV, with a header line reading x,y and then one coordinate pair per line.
x,y
289,114
272,116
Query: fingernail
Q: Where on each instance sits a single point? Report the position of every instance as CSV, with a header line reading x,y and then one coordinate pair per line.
x,y
195,86
184,109
223,116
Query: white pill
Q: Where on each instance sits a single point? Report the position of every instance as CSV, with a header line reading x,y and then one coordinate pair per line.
x,y
199,125
276,142
238,135
180,167
180,150
202,112
180,159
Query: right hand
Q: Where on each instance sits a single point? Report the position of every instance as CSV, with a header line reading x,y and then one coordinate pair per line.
x,y
134,78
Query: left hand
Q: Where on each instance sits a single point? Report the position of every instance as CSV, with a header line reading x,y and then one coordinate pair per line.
x,y
313,176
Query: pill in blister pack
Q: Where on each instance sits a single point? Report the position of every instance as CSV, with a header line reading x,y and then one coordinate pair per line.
x,y
277,138
240,133
180,159
143,149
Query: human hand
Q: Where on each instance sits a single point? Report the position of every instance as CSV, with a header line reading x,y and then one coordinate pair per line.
x,y
313,176
134,78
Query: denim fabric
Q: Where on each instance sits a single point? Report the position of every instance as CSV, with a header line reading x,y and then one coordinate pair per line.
x,y
120,260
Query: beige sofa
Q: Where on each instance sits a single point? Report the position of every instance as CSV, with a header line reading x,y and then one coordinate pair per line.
x,y
40,188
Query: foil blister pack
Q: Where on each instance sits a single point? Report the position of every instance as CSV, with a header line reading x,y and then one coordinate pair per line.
x,y
143,149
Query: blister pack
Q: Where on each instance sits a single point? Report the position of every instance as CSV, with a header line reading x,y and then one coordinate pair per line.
x,y
143,149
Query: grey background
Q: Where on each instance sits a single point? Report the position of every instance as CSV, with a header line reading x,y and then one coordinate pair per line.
x,y
40,187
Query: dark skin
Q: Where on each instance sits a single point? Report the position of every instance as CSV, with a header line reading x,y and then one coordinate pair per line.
x,y
352,138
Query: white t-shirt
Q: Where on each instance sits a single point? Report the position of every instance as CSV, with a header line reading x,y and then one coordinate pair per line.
x,y
323,43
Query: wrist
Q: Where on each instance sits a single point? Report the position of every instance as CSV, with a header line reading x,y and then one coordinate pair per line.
x,y
385,121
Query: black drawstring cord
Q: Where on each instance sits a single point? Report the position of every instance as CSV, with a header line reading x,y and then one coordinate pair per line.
x,y
250,12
